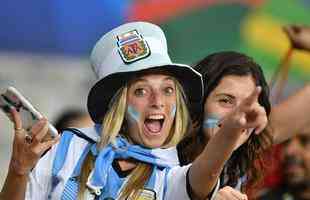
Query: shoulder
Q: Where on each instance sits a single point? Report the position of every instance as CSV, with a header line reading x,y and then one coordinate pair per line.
x,y
61,160
179,186
90,134
74,140
71,146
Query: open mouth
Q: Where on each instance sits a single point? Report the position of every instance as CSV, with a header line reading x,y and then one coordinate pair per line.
x,y
154,123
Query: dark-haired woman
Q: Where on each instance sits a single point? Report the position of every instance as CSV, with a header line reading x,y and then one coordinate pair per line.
x,y
229,78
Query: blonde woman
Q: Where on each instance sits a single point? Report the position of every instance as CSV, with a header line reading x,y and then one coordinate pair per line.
x,y
139,105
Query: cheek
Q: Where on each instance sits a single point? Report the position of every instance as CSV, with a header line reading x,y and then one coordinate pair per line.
x,y
210,132
133,114
211,120
170,107
173,111
218,111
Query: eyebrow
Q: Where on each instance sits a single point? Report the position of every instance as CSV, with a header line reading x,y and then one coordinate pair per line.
x,y
225,94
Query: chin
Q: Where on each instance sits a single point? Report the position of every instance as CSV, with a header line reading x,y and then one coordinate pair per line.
x,y
152,144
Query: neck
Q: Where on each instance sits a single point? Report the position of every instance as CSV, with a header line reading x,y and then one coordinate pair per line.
x,y
127,164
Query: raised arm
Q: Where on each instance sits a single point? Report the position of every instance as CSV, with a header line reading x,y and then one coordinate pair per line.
x,y
25,155
292,116
234,130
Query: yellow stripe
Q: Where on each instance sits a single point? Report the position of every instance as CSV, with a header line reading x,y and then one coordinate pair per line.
x,y
262,31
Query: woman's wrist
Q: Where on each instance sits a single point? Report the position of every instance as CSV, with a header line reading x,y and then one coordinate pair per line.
x,y
17,170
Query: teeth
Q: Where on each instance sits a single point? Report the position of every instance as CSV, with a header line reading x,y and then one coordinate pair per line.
x,y
156,117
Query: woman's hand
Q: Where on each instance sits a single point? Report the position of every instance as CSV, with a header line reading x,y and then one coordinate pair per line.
x,y
28,147
229,193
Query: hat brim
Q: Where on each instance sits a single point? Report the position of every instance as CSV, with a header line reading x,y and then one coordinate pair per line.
x,y
103,91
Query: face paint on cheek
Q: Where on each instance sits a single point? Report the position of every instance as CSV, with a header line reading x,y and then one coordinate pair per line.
x,y
173,111
133,114
211,121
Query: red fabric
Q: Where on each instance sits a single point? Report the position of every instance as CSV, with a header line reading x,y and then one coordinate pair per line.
x,y
273,175
162,10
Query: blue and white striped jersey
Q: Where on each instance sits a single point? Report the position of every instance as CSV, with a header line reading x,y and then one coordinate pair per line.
x,y
64,157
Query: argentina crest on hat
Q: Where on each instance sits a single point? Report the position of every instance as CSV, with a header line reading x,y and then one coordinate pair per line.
x,y
132,47
124,52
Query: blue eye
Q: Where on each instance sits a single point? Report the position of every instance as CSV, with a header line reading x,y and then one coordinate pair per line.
x,y
139,92
169,90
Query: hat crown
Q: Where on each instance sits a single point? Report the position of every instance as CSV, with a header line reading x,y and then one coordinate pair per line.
x,y
145,43
130,49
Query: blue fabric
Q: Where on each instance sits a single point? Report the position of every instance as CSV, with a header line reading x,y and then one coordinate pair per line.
x,y
71,189
61,152
72,186
103,179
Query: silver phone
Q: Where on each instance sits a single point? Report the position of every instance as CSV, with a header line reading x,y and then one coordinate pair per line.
x,y
29,115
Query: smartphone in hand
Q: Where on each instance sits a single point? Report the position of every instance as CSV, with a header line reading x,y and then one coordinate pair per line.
x,y
29,115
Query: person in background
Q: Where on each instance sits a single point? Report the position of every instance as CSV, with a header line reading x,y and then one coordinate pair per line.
x,y
295,169
229,77
281,116
292,116
73,117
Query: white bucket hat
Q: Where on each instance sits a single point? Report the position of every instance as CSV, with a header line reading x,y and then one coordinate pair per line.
x,y
130,49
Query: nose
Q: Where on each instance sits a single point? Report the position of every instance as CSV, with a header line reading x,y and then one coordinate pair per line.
x,y
156,99
291,148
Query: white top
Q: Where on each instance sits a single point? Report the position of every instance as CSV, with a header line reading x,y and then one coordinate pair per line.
x,y
40,181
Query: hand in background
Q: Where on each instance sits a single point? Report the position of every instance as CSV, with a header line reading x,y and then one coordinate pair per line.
x,y
299,36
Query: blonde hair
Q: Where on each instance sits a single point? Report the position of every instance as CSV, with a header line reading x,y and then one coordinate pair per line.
x,y
112,124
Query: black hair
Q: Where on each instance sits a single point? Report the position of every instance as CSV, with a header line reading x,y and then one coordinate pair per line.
x,y
213,69
218,65
67,117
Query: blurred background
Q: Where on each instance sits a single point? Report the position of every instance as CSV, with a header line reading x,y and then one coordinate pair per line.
x,y
45,45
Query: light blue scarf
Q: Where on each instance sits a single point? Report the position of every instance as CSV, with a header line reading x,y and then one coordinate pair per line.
x,y
103,180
